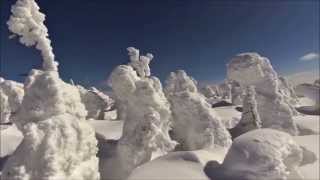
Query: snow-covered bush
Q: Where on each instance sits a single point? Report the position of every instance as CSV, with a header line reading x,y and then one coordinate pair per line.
x,y
147,115
195,125
11,94
250,118
95,102
260,154
58,141
252,69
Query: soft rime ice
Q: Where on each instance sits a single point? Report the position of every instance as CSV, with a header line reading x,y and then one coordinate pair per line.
x,y
250,118
147,113
140,63
58,142
252,69
11,94
27,22
260,154
95,102
195,125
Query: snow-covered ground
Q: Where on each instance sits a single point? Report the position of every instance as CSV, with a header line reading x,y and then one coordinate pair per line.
x,y
187,164
51,131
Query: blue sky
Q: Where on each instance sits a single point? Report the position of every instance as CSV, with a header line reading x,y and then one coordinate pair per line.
x,y
90,37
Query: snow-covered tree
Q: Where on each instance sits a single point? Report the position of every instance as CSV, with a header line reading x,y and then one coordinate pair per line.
x,y
236,93
252,69
195,125
250,118
11,94
95,102
288,92
58,141
27,22
147,114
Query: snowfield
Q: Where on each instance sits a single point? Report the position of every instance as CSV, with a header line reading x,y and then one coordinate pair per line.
x,y
181,165
253,126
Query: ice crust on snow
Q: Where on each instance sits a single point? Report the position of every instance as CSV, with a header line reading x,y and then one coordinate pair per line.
x,y
58,142
195,125
275,111
147,114
27,22
260,154
11,94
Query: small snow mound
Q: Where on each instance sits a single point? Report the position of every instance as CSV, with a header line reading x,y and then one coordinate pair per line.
x,y
260,154
175,165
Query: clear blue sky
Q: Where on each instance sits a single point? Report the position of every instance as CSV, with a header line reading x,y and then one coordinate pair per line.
x,y
90,37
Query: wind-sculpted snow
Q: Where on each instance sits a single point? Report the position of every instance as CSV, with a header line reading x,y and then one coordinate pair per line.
x,y
58,142
195,125
275,111
11,94
147,115
27,22
250,118
261,154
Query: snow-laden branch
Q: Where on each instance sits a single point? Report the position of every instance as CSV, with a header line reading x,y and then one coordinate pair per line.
x,y
27,22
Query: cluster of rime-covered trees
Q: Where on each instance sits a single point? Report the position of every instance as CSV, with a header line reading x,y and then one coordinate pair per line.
x,y
60,144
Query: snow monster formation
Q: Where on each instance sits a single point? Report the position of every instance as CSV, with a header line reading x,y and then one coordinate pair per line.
x,y
252,69
236,93
261,154
147,123
250,118
195,125
11,94
58,142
